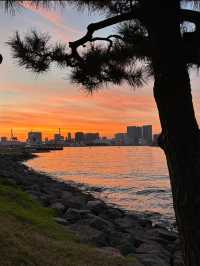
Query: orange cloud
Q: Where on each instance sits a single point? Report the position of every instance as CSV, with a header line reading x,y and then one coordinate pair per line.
x,y
107,112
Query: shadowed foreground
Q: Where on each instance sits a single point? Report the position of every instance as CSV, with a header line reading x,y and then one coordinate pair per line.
x,y
29,236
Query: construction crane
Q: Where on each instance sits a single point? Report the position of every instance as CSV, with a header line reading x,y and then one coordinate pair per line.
x,y
12,137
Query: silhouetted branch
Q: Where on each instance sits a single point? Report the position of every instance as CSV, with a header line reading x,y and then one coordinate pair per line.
x,y
97,65
107,39
103,24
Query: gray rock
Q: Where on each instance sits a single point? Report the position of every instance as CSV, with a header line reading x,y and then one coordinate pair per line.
x,y
117,239
96,206
147,224
87,234
147,260
162,233
73,200
111,213
100,223
127,223
61,221
59,207
74,215
153,249
115,213
126,247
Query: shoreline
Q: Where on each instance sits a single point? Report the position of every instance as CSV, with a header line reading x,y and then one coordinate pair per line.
x,y
93,221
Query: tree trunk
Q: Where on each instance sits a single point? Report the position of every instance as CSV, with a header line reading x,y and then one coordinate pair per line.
x,y
180,134
180,142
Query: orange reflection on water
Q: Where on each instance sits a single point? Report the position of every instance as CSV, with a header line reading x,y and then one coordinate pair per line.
x,y
131,177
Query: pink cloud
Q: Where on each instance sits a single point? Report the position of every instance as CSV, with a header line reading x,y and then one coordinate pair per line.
x,y
50,15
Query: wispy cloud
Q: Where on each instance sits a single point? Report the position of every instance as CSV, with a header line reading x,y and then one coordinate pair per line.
x,y
52,16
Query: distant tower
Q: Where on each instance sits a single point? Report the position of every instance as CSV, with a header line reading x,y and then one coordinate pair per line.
x,y
69,136
11,134
134,134
58,138
12,137
147,134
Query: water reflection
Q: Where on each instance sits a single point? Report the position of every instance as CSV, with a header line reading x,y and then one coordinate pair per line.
x,y
131,177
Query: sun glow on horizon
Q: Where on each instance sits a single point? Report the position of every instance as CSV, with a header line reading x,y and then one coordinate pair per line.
x,y
48,102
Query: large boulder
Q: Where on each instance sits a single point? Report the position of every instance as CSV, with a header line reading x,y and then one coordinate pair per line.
x,y
162,233
152,249
73,200
128,224
87,234
100,223
96,206
111,213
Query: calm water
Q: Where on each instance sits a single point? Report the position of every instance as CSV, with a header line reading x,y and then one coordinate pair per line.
x,y
135,178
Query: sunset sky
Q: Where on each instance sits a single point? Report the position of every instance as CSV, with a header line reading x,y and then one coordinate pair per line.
x,y
48,102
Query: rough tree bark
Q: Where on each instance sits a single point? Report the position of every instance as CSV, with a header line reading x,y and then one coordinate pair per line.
x,y
180,134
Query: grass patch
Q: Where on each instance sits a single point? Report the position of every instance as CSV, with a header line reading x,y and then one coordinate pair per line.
x,y
29,236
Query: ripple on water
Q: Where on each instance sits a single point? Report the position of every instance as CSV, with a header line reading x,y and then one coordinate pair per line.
x,y
134,178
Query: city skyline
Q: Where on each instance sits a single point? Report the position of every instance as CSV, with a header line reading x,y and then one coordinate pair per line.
x,y
47,102
66,133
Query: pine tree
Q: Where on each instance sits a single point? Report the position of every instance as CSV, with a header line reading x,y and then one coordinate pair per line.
x,y
153,40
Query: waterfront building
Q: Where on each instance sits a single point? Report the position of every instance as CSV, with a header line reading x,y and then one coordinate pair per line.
x,y
34,138
134,135
122,139
79,137
102,142
69,137
58,138
147,134
91,137
119,137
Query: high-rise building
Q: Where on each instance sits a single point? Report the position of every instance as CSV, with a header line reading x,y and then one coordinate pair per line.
x,y
34,138
134,134
69,137
79,137
147,134
91,137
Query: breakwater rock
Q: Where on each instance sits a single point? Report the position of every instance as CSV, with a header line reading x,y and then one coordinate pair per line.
x,y
114,231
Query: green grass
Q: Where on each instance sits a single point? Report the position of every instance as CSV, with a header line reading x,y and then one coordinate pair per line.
x,y
29,236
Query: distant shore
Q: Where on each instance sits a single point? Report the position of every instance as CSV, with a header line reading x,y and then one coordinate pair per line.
x,y
91,219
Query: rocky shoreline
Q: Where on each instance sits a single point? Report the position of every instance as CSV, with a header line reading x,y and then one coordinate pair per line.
x,y
116,232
